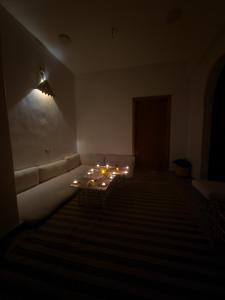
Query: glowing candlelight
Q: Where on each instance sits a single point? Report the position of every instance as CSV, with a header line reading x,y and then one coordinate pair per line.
x,y
125,172
127,167
103,184
98,166
75,182
107,166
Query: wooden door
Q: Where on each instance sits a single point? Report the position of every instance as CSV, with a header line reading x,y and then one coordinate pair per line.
x,y
152,132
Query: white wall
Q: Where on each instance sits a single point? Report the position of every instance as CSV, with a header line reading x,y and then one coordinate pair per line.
x,y
42,129
104,106
198,94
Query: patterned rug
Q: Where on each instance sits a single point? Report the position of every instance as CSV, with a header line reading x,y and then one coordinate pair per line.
x,y
146,242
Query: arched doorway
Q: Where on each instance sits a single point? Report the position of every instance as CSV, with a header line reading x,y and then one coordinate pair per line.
x,y
213,144
216,165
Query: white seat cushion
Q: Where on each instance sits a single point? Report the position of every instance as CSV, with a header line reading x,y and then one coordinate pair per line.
x,y
121,160
212,190
72,161
51,170
37,203
92,159
26,179
80,171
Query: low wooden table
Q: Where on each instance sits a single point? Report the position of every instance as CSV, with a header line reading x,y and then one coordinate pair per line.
x,y
93,187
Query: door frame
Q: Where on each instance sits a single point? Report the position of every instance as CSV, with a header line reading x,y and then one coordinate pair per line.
x,y
134,101
9,214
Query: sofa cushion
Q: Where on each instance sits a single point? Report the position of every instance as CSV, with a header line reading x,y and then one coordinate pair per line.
x,y
212,190
72,161
92,159
79,172
25,179
51,170
39,202
119,159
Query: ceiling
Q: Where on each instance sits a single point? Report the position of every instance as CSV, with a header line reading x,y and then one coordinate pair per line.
x,y
146,32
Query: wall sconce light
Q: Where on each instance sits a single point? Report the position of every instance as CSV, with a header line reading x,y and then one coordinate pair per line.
x,y
44,86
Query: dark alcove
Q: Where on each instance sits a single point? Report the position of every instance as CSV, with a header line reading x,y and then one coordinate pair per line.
x,y
216,164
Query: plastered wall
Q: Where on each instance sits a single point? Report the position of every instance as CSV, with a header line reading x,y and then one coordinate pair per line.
x,y
41,129
104,106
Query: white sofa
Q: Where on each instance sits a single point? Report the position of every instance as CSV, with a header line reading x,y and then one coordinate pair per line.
x,y
211,190
40,190
212,207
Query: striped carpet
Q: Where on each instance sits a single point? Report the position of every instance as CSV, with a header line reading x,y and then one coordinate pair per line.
x,y
145,243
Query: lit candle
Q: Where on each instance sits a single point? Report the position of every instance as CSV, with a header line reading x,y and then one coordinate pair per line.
x,y
92,170
89,173
107,166
127,167
98,166
125,172
103,184
114,173
117,169
75,182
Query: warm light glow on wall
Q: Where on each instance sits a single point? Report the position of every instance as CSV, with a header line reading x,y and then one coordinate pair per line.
x,y
39,110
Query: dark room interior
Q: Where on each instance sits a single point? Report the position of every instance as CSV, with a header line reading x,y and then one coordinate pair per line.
x,y
112,125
